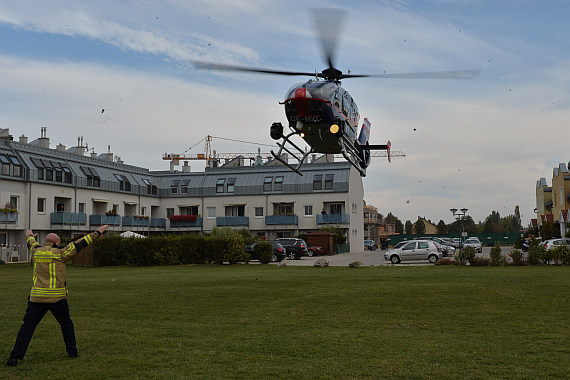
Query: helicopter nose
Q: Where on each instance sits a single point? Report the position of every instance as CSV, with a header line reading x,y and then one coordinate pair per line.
x,y
301,95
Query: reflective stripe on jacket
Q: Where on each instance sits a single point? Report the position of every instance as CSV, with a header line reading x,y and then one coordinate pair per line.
x,y
50,266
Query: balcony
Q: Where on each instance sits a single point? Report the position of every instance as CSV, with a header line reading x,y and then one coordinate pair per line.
x,y
71,218
281,220
231,221
8,217
333,219
131,221
186,223
102,219
158,222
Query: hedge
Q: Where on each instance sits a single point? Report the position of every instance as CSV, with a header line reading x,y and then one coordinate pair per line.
x,y
169,250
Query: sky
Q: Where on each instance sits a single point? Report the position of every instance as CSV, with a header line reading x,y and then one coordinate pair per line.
x,y
119,74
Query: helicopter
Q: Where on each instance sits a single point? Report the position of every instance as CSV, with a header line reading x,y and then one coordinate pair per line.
x,y
321,111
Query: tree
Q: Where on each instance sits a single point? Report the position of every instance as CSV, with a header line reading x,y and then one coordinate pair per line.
x,y
391,219
420,227
546,230
409,228
441,228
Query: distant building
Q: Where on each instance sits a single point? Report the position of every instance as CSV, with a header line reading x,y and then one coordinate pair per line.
x,y
69,191
553,202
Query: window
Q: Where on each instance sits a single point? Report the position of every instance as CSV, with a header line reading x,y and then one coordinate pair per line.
x,y
267,183
81,207
336,208
258,212
409,246
423,245
220,185
184,186
150,188
318,182
41,205
279,183
329,181
143,211
231,185
93,179
174,186
169,212
211,212
283,209
309,210
235,210
5,164
124,183
16,166
14,202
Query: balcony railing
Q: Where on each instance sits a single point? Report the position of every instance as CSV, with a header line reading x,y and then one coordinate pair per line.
x,y
281,219
228,221
102,219
186,223
333,219
77,218
8,217
158,222
131,221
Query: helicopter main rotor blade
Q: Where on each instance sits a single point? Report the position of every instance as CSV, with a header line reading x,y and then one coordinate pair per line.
x,y
221,67
328,23
457,74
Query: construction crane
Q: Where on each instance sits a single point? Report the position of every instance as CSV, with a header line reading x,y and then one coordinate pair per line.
x,y
212,158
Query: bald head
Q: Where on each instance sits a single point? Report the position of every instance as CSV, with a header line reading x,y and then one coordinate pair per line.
x,y
52,239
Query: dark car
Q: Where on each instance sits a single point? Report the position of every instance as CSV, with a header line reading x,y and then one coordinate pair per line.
x,y
314,250
279,252
295,248
370,245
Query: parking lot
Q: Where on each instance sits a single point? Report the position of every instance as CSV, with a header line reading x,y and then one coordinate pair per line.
x,y
370,258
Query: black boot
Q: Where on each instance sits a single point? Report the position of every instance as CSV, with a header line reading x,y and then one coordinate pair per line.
x,y
12,362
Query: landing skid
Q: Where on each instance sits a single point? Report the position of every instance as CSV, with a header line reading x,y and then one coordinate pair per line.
x,y
296,168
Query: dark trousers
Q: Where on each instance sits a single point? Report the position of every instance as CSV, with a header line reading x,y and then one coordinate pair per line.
x,y
34,314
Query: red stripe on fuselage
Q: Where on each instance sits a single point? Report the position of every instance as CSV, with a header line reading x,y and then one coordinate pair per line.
x,y
301,102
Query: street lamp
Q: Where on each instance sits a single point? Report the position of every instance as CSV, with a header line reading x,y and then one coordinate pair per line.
x,y
459,215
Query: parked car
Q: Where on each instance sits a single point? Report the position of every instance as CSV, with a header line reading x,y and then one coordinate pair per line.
x,y
414,250
279,253
473,242
450,242
295,248
447,249
458,242
370,245
551,243
314,250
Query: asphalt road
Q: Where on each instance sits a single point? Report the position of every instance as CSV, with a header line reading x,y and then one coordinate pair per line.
x,y
370,258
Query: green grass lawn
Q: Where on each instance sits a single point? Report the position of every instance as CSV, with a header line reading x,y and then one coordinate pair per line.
x,y
265,322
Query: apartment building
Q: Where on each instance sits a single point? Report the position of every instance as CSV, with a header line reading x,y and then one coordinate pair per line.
x,y
69,191
553,202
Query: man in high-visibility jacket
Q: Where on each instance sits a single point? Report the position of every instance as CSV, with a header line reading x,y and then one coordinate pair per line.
x,y
49,290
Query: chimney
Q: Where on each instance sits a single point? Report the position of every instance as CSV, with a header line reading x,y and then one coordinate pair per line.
x,y
23,139
119,161
43,141
93,155
60,147
185,167
5,134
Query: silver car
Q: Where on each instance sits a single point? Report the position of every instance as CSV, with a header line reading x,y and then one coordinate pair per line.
x,y
414,250
473,242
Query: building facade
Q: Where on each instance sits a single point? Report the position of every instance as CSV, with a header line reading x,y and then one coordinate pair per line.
x,y
67,191
553,202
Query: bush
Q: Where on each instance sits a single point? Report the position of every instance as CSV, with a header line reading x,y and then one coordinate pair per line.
x,y
495,255
264,252
517,256
446,261
480,262
466,255
535,252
